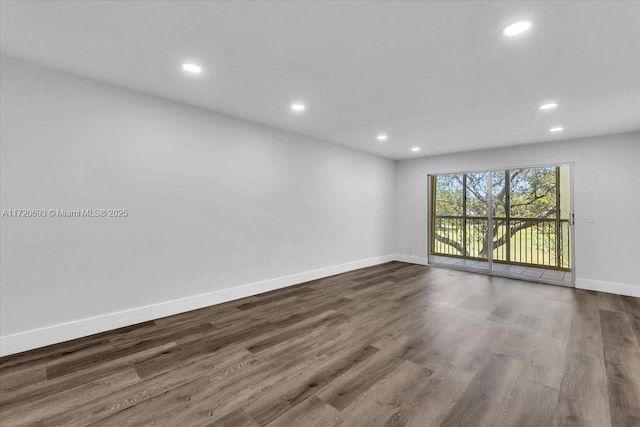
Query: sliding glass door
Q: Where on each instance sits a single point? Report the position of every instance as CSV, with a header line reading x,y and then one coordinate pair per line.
x,y
511,221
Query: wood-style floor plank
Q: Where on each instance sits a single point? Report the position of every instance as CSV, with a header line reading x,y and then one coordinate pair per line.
x,y
391,345
584,396
622,362
483,402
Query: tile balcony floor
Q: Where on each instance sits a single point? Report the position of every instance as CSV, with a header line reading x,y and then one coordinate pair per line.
x,y
520,271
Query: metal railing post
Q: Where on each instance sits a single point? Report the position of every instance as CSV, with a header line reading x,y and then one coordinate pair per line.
x,y
507,211
464,215
558,230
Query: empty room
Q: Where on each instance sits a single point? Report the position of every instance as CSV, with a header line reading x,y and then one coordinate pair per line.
x,y
319,213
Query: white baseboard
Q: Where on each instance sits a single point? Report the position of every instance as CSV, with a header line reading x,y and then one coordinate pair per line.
x,y
23,341
15,343
609,287
410,259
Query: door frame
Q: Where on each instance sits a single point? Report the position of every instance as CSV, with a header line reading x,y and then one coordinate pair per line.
x,y
489,271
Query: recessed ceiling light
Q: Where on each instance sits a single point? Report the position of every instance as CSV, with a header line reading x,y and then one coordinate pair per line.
x,y
516,28
191,68
298,107
382,137
415,149
548,106
556,129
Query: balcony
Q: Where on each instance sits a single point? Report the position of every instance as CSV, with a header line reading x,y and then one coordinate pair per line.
x,y
535,242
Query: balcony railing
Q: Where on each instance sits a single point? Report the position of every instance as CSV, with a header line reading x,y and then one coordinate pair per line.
x,y
525,241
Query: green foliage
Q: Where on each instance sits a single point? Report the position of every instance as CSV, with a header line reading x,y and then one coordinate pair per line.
x,y
449,195
532,193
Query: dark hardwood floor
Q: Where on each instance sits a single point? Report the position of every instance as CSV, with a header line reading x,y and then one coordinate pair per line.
x,y
391,345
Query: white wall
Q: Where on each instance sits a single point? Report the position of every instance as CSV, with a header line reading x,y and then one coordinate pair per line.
x,y
606,185
221,208
214,203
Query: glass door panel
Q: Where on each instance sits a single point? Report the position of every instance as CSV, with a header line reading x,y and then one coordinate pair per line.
x,y
448,224
499,202
476,214
532,216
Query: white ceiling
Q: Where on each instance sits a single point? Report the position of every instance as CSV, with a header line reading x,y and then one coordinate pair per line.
x,y
438,75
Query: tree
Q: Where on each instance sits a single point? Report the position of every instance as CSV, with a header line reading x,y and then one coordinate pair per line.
x,y
529,194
